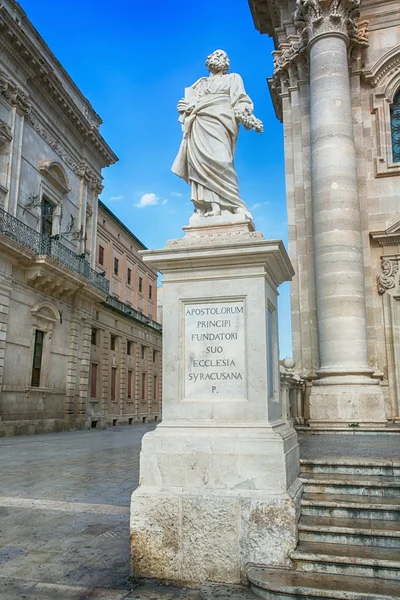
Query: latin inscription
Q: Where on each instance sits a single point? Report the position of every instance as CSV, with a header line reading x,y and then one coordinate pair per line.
x,y
215,350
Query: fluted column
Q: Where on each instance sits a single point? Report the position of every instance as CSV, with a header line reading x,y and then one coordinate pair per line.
x,y
327,27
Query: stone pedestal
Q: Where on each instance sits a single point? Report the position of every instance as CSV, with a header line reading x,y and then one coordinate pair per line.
x,y
218,477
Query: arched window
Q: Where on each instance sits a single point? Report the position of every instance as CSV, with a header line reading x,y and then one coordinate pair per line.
x,y
395,121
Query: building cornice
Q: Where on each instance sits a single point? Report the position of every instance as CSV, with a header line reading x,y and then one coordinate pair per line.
x,y
34,57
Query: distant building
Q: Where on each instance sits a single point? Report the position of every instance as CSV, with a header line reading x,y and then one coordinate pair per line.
x,y
70,353
51,158
125,382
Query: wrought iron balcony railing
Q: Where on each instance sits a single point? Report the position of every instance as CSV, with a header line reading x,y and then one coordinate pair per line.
x,y
128,310
43,245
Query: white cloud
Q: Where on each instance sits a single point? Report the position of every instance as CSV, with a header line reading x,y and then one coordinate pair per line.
x,y
116,198
176,194
148,199
164,201
258,204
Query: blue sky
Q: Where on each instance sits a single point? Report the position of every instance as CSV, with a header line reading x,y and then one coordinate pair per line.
x,y
132,60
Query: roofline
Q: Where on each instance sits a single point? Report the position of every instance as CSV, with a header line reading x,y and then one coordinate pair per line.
x,y
47,72
124,227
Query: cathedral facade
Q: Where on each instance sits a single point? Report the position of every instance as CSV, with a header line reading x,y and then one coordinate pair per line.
x,y
336,89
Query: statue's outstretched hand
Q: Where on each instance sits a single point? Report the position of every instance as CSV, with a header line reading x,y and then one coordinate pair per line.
x,y
248,120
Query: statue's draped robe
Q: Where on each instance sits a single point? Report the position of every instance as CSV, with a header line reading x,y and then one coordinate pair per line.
x,y
205,157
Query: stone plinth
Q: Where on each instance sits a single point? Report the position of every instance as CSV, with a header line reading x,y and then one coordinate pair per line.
x,y
218,477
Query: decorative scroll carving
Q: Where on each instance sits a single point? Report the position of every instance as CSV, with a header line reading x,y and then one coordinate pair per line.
x,y
14,94
386,281
315,17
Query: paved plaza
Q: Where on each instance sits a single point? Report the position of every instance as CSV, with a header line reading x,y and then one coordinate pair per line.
x,y
64,507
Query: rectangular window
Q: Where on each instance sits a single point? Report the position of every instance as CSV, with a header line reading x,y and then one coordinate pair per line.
x,y
113,383
154,356
116,266
37,358
150,292
130,348
130,378
101,255
94,336
142,352
113,342
143,390
93,381
129,276
47,217
140,285
155,382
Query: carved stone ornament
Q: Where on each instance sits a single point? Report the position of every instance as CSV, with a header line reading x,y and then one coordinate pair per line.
x,y
316,17
5,135
14,94
387,280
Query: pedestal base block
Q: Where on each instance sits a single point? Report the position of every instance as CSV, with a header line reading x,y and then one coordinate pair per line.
x,y
347,404
190,539
214,501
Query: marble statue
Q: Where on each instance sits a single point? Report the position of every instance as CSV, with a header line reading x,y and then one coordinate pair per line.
x,y
210,113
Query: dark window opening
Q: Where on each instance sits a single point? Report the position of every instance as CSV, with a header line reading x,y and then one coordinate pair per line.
x,y
47,217
113,342
150,292
116,266
94,336
143,395
37,358
101,255
113,383
129,276
93,381
395,121
140,285
130,378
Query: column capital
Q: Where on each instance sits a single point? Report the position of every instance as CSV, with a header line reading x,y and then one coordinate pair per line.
x,y
323,17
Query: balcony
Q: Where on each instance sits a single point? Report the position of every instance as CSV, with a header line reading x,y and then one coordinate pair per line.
x,y
131,312
45,246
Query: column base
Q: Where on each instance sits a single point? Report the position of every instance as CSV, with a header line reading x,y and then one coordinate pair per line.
x,y
212,501
353,405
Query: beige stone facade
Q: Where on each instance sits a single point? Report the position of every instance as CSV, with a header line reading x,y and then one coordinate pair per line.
x,y
335,86
125,365
54,294
51,158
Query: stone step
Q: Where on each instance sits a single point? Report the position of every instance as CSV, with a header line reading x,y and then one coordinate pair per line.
x,y
339,483
350,506
356,532
352,466
286,584
363,561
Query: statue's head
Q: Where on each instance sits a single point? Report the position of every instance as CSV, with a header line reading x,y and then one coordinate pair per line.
x,y
218,62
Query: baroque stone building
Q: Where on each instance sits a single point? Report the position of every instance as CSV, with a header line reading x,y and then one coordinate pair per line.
x,y
54,289
125,366
51,158
336,89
